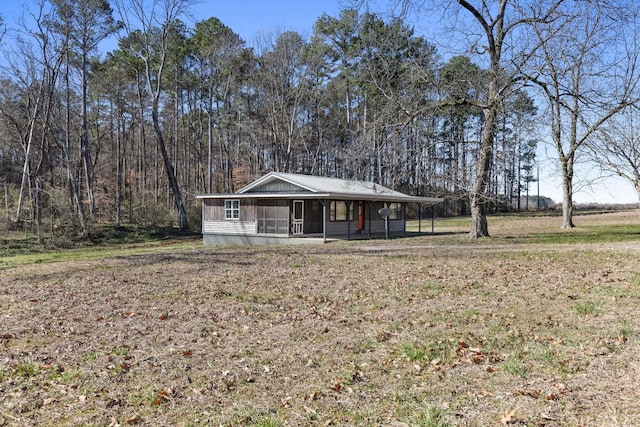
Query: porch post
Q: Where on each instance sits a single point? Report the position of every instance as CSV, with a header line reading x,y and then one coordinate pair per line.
x,y
323,202
404,218
419,218
369,203
433,220
386,221
348,203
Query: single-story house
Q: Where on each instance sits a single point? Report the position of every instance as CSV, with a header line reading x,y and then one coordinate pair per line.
x,y
288,208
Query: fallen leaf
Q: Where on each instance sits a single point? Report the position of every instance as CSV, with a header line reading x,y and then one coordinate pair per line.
x,y
133,419
284,402
477,358
508,417
531,393
313,396
337,385
162,396
49,400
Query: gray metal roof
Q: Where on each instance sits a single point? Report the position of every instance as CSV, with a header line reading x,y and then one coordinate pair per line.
x,y
314,187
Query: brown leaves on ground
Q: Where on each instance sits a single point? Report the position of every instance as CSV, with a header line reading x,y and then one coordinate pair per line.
x,y
315,336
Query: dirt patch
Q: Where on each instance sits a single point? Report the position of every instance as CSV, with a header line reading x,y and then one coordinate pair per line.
x,y
404,332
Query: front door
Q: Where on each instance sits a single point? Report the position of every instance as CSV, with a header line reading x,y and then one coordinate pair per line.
x,y
360,215
297,220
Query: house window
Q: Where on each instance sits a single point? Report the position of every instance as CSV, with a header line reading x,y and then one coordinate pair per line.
x,y
338,211
232,209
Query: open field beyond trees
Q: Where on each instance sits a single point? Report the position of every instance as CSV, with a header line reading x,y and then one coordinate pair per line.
x,y
532,327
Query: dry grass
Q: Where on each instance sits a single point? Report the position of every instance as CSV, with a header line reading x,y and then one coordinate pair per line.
x,y
428,331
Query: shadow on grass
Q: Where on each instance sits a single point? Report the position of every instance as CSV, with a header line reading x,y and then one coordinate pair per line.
x,y
100,236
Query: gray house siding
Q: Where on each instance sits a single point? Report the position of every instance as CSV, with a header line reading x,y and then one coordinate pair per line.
x,y
213,217
278,187
213,209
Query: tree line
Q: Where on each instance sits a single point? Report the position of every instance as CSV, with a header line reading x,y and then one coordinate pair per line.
x,y
131,135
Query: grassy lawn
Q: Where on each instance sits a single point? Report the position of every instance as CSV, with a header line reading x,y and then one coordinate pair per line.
x,y
535,326
21,248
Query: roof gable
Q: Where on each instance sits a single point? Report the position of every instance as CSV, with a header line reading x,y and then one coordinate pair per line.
x,y
276,182
274,186
287,182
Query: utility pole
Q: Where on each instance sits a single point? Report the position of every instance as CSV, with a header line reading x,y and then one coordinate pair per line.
x,y
538,183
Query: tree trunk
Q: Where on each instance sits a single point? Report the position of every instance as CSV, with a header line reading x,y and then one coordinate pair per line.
x,y
567,192
119,163
6,202
478,197
85,149
25,172
209,150
27,157
73,179
171,175
38,210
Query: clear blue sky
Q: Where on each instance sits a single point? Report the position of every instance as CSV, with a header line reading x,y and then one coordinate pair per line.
x,y
246,17
252,18
249,18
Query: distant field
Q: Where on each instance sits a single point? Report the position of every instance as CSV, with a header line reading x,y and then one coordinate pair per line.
x,y
535,326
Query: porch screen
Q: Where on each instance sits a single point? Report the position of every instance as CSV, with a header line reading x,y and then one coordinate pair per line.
x,y
273,216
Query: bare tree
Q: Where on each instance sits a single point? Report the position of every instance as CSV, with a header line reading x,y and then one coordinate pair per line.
x,y
281,79
152,45
43,53
85,23
615,148
117,89
219,54
493,31
586,70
